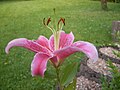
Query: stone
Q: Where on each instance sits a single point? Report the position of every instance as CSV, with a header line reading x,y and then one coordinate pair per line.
x,y
116,30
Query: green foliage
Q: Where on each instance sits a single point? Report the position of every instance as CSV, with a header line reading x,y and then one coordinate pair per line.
x,y
69,73
15,0
114,84
117,1
72,85
118,36
116,53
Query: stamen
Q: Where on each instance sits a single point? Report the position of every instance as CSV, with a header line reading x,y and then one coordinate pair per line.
x,y
61,23
44,21
48,21
61,20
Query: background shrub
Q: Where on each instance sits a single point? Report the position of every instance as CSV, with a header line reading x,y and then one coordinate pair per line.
x,y
117,1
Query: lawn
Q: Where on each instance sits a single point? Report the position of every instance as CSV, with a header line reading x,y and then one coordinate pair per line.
x,y
24,19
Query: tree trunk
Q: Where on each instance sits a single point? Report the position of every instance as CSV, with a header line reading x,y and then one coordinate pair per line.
x,y
104,4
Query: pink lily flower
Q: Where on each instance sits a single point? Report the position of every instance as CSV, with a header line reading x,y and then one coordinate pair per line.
x,y
55,49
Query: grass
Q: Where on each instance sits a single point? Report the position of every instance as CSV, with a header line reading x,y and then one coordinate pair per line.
x,y
24,19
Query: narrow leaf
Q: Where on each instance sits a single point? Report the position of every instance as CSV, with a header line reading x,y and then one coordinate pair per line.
x,y
71,86
69,73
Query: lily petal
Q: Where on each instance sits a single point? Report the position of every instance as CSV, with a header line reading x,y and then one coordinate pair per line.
x,y
80,46
51,42
43,41
66,39
54,61
23,42
39,64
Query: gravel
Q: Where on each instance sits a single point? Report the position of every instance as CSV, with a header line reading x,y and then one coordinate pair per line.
x,y
85,81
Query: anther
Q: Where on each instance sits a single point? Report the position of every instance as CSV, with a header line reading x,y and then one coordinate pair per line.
x,y
44,21
48,21
61,20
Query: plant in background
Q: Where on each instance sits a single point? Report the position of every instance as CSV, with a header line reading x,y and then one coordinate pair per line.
x,y
55,49
114,83
117,53
118,36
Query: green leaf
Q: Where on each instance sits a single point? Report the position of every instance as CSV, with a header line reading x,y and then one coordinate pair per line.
x,y
116,53
68,73
71,86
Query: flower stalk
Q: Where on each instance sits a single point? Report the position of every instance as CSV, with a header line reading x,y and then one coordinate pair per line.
x,y
59,86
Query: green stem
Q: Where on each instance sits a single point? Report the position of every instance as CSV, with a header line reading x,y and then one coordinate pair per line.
x,y
58,79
